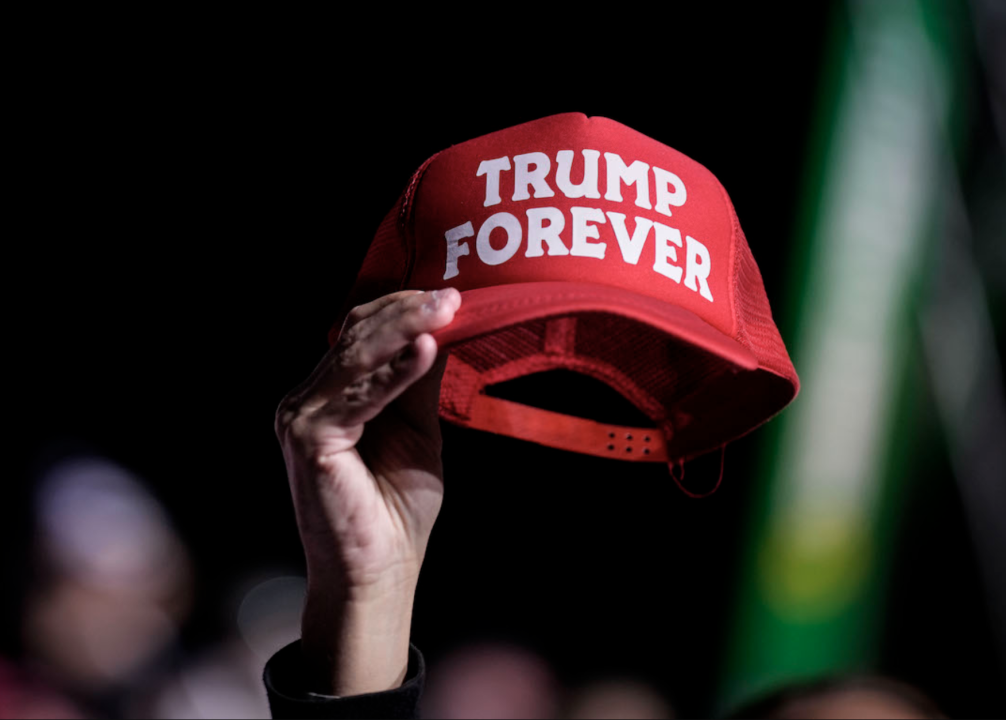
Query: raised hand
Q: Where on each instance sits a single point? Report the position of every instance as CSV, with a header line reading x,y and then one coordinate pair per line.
x,y
362,444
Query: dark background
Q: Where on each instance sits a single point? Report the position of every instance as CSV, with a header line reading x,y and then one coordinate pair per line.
x,y
194,208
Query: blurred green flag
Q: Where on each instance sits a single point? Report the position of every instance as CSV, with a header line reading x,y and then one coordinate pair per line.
x,y
810,595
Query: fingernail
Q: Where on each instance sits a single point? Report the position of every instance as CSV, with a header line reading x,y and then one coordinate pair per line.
x,y
434,302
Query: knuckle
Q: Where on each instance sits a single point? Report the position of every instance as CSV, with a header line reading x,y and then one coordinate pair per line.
x,y
348,336
358,393
387,377
292,418
360,357
285,415
355,315
300,426
294,425
349,359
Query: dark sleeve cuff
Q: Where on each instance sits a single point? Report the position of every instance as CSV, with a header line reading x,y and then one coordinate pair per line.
x,y
286,678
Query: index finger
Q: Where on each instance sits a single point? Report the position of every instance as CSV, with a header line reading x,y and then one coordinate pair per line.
x,y
357,315
362,312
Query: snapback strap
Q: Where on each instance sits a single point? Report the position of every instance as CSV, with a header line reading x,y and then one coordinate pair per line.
x,y
566,432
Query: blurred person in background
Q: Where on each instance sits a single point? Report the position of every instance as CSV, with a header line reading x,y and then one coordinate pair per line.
x,y
504,680
24,695
490,680
223,680
112,586
843,697
617,698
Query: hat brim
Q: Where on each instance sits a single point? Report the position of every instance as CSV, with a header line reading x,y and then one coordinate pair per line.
x,y
488,309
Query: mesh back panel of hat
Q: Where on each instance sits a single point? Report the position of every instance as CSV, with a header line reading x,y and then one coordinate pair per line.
x,y
755,326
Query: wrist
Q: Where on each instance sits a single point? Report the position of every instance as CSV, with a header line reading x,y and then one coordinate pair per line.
x,y
357,643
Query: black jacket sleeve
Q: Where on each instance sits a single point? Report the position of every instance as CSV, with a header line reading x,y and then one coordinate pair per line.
x,y
286,680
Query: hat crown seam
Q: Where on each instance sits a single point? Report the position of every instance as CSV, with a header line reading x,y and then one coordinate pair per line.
x,y
405,220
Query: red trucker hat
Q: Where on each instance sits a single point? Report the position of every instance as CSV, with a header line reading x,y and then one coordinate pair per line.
x,y
579,243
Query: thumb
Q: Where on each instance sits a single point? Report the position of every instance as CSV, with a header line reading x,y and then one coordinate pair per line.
x,y
422,399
